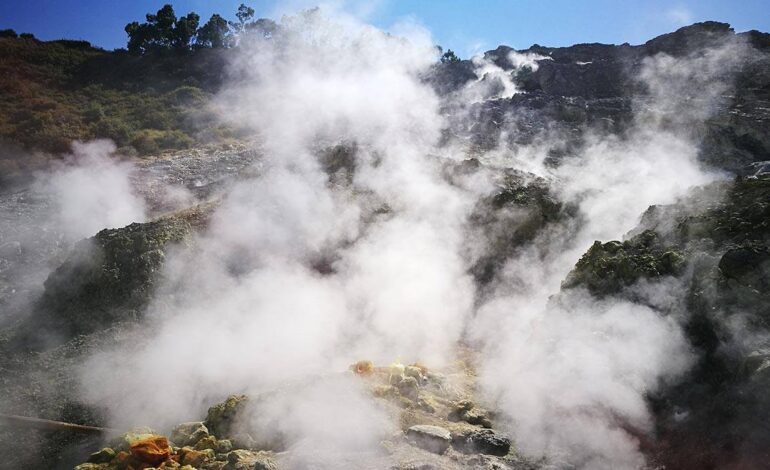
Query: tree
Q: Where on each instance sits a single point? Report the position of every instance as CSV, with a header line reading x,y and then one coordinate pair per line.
x,y
244,15
449,57
215,33
265,27
185,30
139,37
162,25
162,31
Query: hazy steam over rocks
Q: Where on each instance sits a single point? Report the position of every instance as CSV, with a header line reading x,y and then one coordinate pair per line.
x,y
541,255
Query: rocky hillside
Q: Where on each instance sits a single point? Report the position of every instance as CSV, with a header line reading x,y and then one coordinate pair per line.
x,y
698,264
54,92
720,251
597,86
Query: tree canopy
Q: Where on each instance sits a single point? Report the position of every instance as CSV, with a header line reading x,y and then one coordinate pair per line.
x,y
164,31
449,56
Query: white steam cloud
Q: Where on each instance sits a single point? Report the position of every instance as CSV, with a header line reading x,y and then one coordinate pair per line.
x,y
570,371
300,274
248,310
92,190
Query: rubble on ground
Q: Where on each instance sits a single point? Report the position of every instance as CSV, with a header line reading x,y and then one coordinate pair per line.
x,y
441,427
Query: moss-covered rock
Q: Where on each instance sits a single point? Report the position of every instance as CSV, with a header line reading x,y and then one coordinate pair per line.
x,y
110,276
515,214
247,460
103,456
222,418
188,434
106,279
607,268
717,240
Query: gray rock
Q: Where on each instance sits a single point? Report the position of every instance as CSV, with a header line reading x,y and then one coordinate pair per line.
x,y
188,434
246,460
408,387
224,446
208,442
465,410
103,456
431,438
482,441
412,371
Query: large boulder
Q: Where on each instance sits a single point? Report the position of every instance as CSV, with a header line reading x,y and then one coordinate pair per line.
x,y
607,268
106,279
431,438
481,441
223,419
110,276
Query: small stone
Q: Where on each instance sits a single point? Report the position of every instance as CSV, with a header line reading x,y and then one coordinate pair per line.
x,y
222,416
188,434
208,442
215,465
412,371
246,460
426,404
124,441
464,405
431,438
239,455
92,466
465,410
103,456
409,387
196,458
224,446
481,441
478,417
264,462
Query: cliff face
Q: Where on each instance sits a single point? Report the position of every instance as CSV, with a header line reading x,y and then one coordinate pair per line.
x,y
597,87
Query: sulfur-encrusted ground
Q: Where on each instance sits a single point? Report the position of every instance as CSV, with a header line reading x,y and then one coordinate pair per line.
x,y
437,425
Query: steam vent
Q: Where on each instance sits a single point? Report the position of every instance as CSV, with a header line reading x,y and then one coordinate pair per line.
x,y
279,238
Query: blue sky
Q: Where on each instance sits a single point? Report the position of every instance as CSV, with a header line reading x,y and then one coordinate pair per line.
x,y
463,25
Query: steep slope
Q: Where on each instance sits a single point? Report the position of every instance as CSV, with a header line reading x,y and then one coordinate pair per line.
x,y
716,243
596,87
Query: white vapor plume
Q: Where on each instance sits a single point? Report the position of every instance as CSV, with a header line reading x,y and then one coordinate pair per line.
x,y
351,243
495,82
572,372
301,273
92,191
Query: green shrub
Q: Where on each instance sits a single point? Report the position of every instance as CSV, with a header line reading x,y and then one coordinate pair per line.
x,y
157,119
187,96
145,142
175,140
112,128
94,113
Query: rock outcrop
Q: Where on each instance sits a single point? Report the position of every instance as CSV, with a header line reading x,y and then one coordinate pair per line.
x,y
717,243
